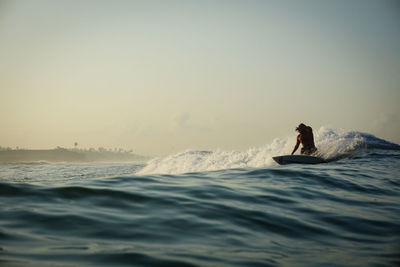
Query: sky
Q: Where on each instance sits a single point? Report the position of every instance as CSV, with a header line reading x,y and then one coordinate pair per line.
x,y
162,76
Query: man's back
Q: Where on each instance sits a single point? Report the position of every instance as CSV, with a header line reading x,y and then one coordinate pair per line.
x,y
306,139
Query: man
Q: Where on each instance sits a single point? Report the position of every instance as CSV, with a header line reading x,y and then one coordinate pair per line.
x,y
306,138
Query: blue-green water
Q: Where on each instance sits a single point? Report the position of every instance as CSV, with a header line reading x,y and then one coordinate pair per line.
x,y
342,213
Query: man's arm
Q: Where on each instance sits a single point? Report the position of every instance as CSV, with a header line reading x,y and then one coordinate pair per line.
x,y
297,145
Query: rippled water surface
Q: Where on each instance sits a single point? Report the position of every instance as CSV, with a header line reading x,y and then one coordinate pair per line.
x,y
342,213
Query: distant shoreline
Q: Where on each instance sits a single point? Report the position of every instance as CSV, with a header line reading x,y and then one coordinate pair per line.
x,y
68,155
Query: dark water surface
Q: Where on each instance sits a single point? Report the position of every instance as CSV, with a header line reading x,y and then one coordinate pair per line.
x,y
343,213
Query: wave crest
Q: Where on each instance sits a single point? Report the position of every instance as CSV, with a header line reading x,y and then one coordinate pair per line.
x,y
332,144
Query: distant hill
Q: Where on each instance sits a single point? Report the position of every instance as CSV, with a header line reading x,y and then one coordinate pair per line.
x,y
68,155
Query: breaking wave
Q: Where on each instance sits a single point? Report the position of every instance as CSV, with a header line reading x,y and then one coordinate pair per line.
x,y
332,145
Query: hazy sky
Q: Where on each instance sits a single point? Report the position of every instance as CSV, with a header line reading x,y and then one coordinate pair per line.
x,y
165,76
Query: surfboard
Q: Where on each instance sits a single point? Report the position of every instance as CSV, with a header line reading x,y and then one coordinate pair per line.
x,y
298,159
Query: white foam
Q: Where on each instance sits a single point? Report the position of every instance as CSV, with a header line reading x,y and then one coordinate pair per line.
x,y
330,143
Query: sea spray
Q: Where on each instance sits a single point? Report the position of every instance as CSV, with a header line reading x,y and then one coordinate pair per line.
x,y
332,145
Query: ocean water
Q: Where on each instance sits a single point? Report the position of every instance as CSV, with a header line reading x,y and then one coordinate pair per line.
x,y
209,208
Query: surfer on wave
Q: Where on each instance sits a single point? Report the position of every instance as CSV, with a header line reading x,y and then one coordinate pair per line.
x,y
306,138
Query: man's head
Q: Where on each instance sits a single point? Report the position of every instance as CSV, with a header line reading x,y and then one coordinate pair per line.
x,y
301,127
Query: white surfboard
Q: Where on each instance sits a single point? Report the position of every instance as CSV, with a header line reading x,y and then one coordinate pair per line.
x,y
298,159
